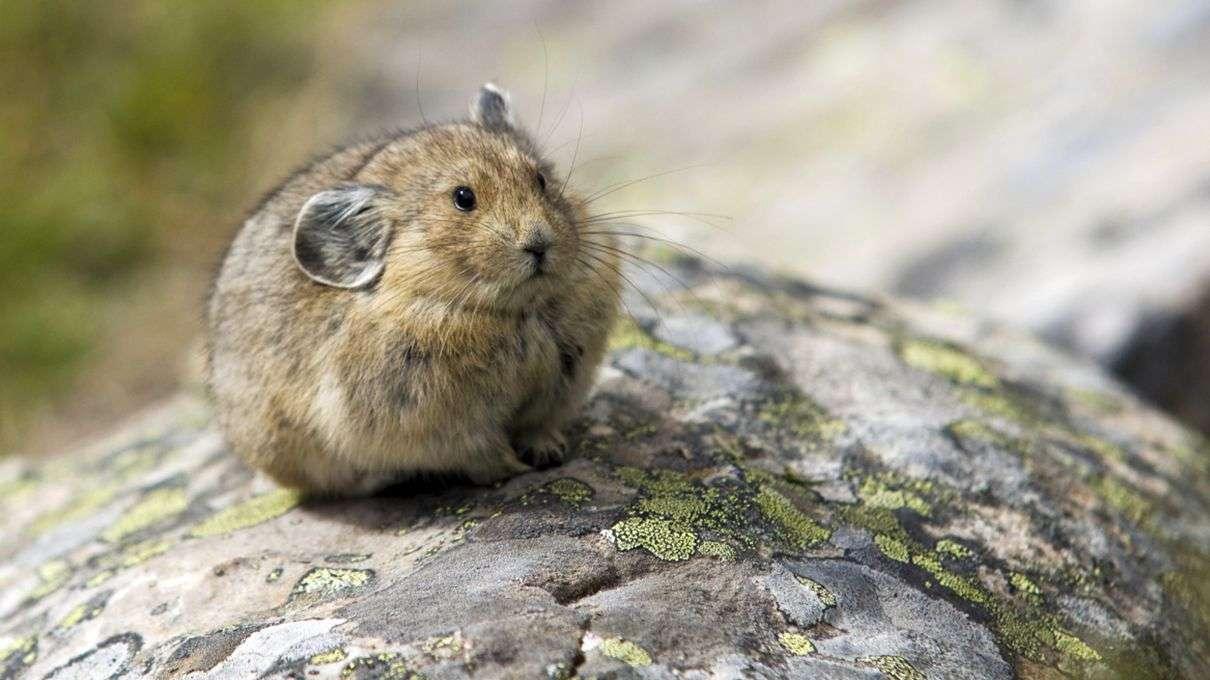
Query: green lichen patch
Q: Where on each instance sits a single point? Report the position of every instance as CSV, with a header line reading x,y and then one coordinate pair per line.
x,y
882,491
663,538
385,666
954,549
80,507
322,583
716,549
796,643
155,507
894,667
1097,402
85,611
17,655
248,514
795,527
675,513
827,597
275,575
627,334
892,547
1073,647
333,655
51,577
947,361
1025,586
569,490
1133,506
793,412
971,430
444,646
625,651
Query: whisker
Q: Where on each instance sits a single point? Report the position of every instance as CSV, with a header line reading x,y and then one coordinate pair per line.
x,y
640,261
574,155
675,244
617,270
616,291
613,188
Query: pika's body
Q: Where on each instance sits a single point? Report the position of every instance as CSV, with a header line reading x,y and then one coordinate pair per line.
x,y
424,302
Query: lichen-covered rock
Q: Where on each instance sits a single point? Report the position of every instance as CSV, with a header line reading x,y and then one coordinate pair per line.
x,y
770,481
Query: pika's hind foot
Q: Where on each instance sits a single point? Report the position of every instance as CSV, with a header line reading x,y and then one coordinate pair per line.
x,y
543,450
498,469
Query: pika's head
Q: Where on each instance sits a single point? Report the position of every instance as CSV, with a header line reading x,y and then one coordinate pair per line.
x,y
465,212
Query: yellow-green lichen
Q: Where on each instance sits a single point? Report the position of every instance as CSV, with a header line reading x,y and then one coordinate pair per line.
x,y
385,666
892,547
802,417
627,334
625,651
139,553
998,404
953,549
947,361
962,586
796,643
663,538
1132,505
970,429
81,506
249,513
82,612
569,490
19,653
716,549
1100,402
879,494
1105,450
99,578
324,582
329,656
1024,585
1073,647
796,528
825,596
445,646
51,577
157,506
894,667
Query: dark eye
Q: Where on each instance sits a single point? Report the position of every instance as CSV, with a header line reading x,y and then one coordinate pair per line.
x,y
541,181
464,199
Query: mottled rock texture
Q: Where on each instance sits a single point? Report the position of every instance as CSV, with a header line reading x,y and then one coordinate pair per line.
x,y
771,481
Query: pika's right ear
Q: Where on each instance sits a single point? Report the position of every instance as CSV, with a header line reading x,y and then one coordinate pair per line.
x,y
341,236
490,108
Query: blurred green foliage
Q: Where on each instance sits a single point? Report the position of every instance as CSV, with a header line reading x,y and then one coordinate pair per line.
x,y
120,123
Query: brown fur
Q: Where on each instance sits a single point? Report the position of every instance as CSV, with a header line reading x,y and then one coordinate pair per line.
x,y
454,359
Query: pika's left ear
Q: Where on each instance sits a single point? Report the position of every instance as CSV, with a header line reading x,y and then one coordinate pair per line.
x,y
490,108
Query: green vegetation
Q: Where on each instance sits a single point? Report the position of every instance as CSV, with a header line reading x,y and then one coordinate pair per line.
x,y
128,135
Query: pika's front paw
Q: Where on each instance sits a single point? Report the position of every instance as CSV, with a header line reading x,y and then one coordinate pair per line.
x,y
543,450
498,469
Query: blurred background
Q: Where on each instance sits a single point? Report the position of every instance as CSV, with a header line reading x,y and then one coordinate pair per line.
x,y
1043,163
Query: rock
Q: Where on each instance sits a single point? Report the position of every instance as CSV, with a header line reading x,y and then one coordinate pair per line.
x,y
814,485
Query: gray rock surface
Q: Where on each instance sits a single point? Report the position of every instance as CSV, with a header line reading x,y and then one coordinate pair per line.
x,y
770,481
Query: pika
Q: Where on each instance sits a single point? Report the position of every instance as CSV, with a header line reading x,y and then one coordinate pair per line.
x,y
427,301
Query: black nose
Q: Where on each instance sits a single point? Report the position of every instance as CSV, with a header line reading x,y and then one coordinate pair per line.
x,y
537,249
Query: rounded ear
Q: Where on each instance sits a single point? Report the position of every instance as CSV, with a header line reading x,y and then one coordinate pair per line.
x,y
490,108
341,236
